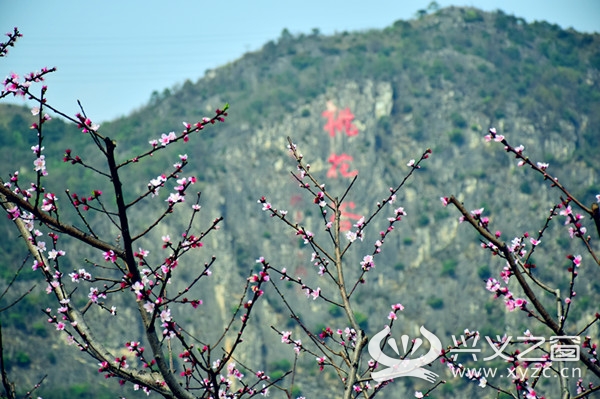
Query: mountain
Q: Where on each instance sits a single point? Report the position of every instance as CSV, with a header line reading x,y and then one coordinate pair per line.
x,y
364,102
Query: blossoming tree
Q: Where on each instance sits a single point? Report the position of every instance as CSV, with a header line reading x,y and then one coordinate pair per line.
x,y
36,213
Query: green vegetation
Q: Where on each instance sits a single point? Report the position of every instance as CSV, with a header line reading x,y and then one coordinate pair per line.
x,y
81,391
22,359
279,368
458,120
335,311
457,137
399,266
435,303
449,268
362,320
484,272
423,220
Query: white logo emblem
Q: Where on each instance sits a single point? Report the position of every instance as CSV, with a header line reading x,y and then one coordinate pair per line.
x,y
404,367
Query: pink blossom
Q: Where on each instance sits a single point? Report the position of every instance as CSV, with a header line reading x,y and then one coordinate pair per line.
x,y
398,306
392,316
360,222
399,212
285,337
37,150
175,198
51,286
517,303
110,256
566,212
477,212
94,294
165,315
49,202
53,254
40,165
167,138
149,307
40,246
510,304
574,232
14,213
444,201
321,362
137,287
494,135
351,236
307,237
141,253
505,274
367,263
156,183
314,293
492,285
531,394
103,367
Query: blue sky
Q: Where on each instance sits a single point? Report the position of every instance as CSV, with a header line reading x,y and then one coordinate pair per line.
x,y
111,55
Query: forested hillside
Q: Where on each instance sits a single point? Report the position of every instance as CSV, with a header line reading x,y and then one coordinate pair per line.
x,y
356,104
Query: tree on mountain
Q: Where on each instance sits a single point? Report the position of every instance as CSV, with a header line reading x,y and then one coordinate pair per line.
x,y
433,6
